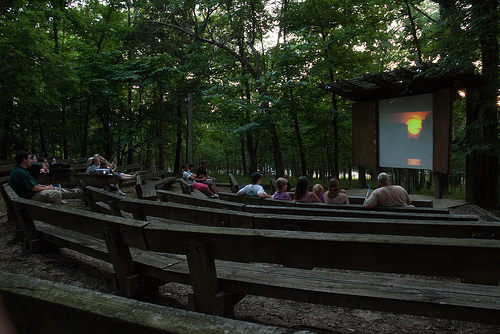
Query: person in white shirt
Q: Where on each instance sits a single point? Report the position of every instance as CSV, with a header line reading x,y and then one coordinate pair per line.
x,y
254,189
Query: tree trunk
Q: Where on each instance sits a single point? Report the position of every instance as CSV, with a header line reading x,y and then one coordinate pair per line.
x,y
301,145
278,157
178,148
252,152
484,165
86,121
243,157
335,137
64,134
5,131
42,145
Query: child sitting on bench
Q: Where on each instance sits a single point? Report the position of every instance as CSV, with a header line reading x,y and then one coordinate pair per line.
x,y
281,193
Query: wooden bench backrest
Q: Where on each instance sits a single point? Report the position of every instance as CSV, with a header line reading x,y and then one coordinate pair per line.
x,y
129,168
169,196
156,174
233,184
186,188
419,203
62,308
380,253
271,206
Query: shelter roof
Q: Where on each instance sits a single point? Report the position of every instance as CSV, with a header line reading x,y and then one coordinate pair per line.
x,y
400,82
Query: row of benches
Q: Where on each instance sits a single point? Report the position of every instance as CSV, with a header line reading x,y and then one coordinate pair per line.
x,y
184,208
224,264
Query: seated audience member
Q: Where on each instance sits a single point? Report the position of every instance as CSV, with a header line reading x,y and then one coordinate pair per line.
x,y
96,164
112,167
254,189
302,193
281,193
210,180
21,181
189,176
335,194
45,165
319,191
387,194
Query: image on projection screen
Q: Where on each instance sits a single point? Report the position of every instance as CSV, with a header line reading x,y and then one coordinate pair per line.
x,y
405,132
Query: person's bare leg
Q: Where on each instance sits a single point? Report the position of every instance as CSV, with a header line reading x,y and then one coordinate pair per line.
x,y
125,177
207,191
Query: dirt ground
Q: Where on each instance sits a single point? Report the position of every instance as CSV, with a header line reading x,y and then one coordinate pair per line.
x,y
72,268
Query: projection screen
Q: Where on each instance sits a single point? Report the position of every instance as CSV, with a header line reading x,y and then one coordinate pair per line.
x,y
405,132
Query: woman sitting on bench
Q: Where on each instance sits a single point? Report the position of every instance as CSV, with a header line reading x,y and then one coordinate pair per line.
x,y
335,193
302,193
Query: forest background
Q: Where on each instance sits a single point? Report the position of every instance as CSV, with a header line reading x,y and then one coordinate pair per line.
x,y
113,77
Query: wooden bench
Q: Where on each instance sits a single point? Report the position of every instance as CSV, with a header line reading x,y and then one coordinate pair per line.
x,y
135,167
44,307
93,179
223,265
156,175
217,214
271,206
147,190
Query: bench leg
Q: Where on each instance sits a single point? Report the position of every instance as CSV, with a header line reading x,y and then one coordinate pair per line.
x,y
129,281
138,213
115,210
207,297
32,239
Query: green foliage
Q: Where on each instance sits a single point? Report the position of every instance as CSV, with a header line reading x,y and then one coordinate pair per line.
x,y
111,77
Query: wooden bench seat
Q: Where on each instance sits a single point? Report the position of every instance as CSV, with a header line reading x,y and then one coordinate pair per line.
x,y
224,264
156,175
130,168
44,307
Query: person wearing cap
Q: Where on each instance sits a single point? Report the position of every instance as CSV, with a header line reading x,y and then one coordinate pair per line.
x,y
254,189
387,194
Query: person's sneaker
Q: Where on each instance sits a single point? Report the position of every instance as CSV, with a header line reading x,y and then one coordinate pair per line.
x,y
214,196
121,193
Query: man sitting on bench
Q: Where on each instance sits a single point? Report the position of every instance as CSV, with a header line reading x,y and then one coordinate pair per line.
x,y
25,186
387,194
254,189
